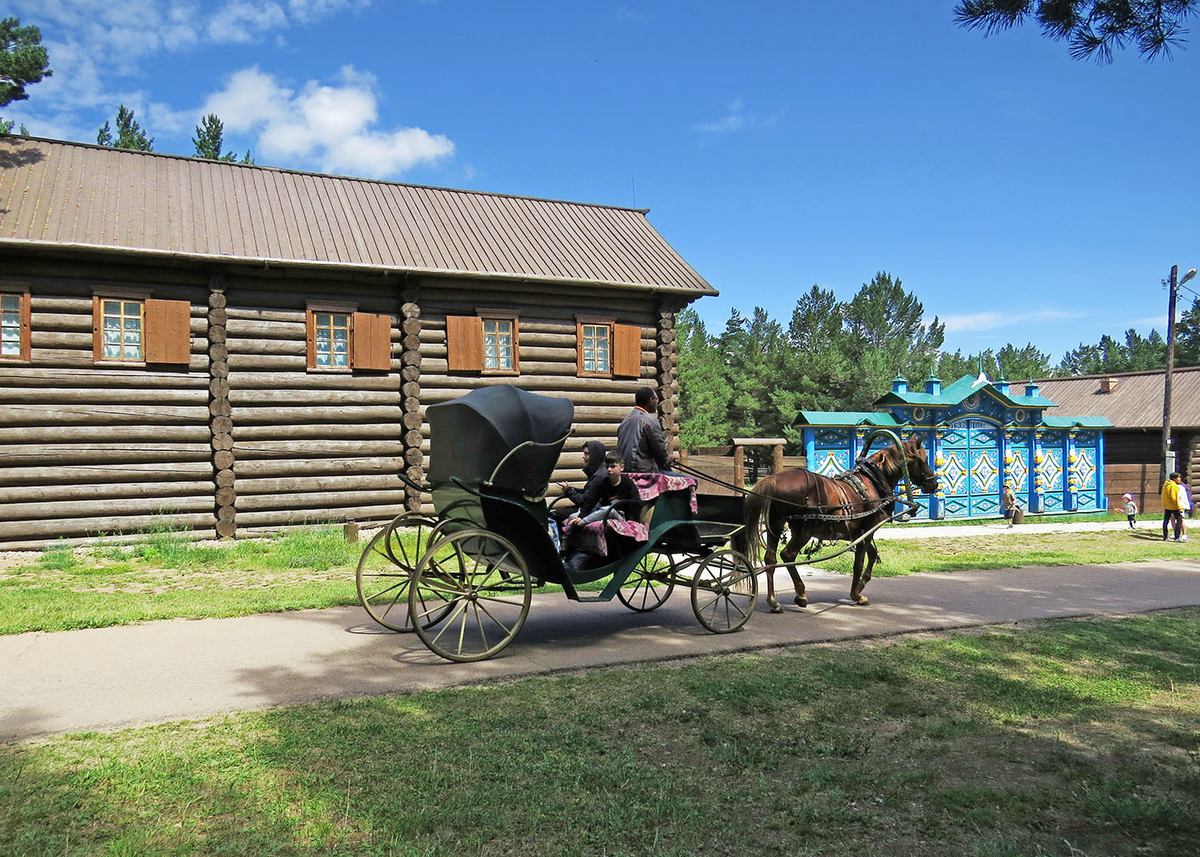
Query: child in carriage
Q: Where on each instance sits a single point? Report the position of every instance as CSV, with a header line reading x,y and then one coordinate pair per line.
x,y
613,489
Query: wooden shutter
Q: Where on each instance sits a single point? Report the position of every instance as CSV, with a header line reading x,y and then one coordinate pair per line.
x,y
168,331
464,343
310,337
97,324
370,341
627,350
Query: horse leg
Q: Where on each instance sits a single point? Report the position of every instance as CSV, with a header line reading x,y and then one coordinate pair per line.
x,y
789,554
856,588
872,558
771,557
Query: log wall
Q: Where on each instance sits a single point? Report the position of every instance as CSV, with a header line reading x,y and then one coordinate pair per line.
x,y
307,446
245,438
90,449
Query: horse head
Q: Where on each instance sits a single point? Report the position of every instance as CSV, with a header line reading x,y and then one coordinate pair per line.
x,y
919,471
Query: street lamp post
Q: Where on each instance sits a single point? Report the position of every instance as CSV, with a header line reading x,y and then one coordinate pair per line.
x,y
1168,455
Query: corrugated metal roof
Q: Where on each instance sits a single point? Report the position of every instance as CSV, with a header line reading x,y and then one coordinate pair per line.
x,y
1136,400
60,194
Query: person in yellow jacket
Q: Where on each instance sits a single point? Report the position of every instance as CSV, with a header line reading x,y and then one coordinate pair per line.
x,y
1172,515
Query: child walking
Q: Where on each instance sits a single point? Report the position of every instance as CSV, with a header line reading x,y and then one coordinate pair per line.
x,y
1131,509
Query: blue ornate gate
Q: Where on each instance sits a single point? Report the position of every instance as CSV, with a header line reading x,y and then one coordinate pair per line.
x,y
971,452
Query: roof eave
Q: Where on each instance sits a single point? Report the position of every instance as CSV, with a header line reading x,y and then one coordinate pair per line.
x,y
705,290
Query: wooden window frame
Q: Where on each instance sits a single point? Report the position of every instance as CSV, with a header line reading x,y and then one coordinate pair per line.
x,y
368,338
125,295
582,321
21,292
500,314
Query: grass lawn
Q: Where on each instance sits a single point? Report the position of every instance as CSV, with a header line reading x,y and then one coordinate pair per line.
x,y
167,575
1073,737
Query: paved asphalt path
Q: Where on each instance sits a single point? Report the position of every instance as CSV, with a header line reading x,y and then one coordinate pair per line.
x,y
106,678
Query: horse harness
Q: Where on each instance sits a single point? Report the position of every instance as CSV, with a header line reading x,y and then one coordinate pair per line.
x,y
864,472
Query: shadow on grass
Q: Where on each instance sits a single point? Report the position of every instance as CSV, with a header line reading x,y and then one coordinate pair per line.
x,y
1078,732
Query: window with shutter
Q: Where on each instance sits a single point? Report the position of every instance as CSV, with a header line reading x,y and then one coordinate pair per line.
x,y
118,329
488,343
14,326
370,342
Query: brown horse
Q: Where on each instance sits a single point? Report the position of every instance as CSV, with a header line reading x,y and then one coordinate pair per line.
x,y
840,508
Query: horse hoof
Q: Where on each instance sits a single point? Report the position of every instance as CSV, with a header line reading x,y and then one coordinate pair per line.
x,y
801,601
862,601
774,605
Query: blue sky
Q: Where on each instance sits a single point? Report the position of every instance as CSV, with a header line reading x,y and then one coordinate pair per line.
x,y
1022,196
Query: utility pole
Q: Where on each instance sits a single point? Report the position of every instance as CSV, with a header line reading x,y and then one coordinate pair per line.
x,y
1168,455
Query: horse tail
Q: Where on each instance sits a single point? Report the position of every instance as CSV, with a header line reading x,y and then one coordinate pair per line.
x,y
757,505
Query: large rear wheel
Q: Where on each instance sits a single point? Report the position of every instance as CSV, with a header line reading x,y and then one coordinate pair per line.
x,y
724,591
386,568
650,583
485,583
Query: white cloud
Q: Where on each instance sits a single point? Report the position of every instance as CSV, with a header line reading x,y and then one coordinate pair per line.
x,y
327,126
736,120
995,320
240,21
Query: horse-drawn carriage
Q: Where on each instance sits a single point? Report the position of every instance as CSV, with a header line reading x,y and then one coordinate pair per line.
x,y
463,578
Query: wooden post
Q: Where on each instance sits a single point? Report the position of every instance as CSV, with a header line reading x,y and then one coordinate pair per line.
x,y
739,465
221,412
777,458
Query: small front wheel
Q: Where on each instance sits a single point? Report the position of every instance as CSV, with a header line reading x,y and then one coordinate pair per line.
x,y
650,583
387,566
724,591
484,582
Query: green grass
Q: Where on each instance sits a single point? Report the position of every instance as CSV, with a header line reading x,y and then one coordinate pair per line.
x,y
166,575
1075,737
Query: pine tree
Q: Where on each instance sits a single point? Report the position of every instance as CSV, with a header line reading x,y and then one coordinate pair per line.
x,y
129,133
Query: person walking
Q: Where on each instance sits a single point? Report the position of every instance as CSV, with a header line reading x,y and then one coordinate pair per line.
x,y
1131,509
1185,508
1170,503
1010,504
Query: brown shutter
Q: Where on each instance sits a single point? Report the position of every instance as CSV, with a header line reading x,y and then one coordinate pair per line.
x,y
168,332
310,337
464,343
370,341
627,350
578,347
97,323
26,328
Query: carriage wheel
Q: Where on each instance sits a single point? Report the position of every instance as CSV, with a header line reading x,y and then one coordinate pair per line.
x,y
387,565
486,584
650,583
724,591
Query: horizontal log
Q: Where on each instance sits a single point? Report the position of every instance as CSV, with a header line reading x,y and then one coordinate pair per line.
x,y
63,358
581,391
224,479
92,508
433,367
49,339
222,425
318,517
226,529
108,538
111,473
135,377
143,415
117,491
218,315
225,496
319,500
246,415
58,455
245,450
223,459
109,434
325,482
261,468
226,514
101,395
241,314
321,431
216,300
248,380
217,334
386,397
267,362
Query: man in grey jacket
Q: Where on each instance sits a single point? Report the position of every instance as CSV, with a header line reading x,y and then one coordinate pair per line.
x,y
640,439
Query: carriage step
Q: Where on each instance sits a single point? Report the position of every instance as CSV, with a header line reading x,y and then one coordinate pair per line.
x,y
583,599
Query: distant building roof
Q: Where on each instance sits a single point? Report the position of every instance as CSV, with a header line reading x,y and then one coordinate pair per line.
x,y
1133,400
955,393
71,196
846,418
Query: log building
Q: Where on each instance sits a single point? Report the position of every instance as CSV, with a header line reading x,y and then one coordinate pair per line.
x,y
237,348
